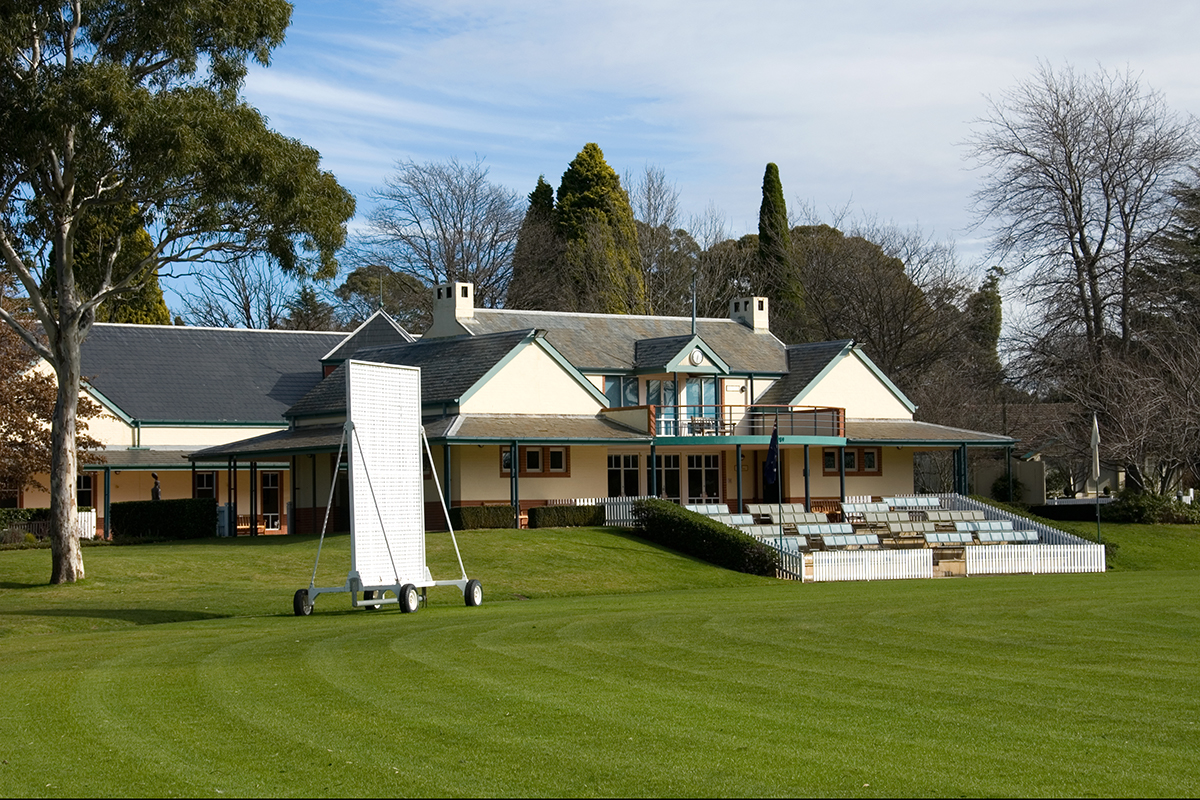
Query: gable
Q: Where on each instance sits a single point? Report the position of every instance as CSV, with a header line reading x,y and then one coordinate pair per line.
x,y
852,382
532,381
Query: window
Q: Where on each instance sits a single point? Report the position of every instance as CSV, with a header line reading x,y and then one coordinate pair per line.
x,y
537,462
859,461
661,394
620,391
704,478
270,500
205,485
623,475
668,476
83,491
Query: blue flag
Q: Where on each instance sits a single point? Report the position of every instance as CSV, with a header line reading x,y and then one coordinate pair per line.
x,y
771,471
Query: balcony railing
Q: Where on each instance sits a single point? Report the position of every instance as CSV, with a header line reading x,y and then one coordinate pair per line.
x,y
713,420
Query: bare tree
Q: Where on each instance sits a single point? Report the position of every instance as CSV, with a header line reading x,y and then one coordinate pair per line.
x,y
445,221
244,293
1079,173
655,202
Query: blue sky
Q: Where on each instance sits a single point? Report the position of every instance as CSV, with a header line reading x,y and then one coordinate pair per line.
x,y
859,103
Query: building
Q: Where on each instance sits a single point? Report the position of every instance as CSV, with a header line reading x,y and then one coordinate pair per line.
x,y
524,408
167,392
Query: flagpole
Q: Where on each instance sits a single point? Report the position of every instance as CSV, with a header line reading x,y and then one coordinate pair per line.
x,y
1096,472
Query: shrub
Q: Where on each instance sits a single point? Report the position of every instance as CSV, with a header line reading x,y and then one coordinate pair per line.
x,y
1000,490
693,534
565,516
1149,509
146,520
469,518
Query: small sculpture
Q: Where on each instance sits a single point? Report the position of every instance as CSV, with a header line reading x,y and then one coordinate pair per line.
x,y
156,492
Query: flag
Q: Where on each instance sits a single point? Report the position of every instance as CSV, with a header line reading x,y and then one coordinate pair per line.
x,y
1096,452
771,471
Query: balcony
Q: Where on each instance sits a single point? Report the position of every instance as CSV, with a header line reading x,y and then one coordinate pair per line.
x,y
724,421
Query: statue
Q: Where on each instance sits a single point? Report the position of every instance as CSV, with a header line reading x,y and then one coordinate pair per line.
x,y
156,492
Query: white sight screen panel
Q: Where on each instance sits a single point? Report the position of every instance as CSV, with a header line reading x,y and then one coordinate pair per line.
x,y
387,503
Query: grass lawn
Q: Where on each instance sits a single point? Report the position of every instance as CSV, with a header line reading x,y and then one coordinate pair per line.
x,y
178,669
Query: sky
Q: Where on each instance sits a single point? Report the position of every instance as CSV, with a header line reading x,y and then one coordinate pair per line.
x,y
863,105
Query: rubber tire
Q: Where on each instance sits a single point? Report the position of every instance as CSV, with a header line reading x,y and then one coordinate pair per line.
x,y
473,594
300,605
410,601
369,594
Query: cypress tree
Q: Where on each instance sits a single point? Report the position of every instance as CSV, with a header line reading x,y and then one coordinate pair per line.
x,y
774,240
776,276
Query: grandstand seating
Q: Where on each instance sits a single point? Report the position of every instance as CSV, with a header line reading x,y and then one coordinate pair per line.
x,y
826,529
949,537
859,540
709,509
913,502
797,518
882,518
733,520
767,509
944,516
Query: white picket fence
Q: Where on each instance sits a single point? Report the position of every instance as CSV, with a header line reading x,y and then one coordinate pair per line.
x,y
1034,559
87,524
617,510
871,565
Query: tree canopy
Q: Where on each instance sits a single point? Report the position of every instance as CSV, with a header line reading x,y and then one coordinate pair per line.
x,y
136,106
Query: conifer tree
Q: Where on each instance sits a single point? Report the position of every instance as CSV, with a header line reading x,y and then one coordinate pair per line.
x,y
537,255
601,260
774,239
99,234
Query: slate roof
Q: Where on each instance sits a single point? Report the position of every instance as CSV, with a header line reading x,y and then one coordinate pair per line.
x,y
898,431
308,439
379,330
469,429
649,353
608,342
805,363
165,373
141,458
449,367
535,428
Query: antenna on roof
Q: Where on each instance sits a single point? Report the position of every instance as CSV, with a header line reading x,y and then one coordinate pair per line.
x,y
693,304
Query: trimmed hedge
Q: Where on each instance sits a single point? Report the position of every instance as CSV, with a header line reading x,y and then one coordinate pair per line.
x,y
696,535
566,516
470,518
8,515
144,520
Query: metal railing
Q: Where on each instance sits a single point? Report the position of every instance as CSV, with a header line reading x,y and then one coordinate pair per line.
x,y
754,420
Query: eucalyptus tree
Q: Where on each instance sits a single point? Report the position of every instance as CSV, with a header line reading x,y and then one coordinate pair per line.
x,y
135,104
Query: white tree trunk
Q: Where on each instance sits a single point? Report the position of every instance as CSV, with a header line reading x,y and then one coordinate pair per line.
x,y
64,535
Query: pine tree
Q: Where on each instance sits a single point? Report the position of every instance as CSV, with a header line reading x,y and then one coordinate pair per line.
x,y
601,261
537,255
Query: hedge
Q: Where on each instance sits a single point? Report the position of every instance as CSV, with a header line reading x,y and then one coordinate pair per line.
x,y
693,534
470,518
164,519
8,515
565,516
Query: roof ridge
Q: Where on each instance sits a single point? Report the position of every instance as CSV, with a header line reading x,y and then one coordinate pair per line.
x,y
211,328
595,314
